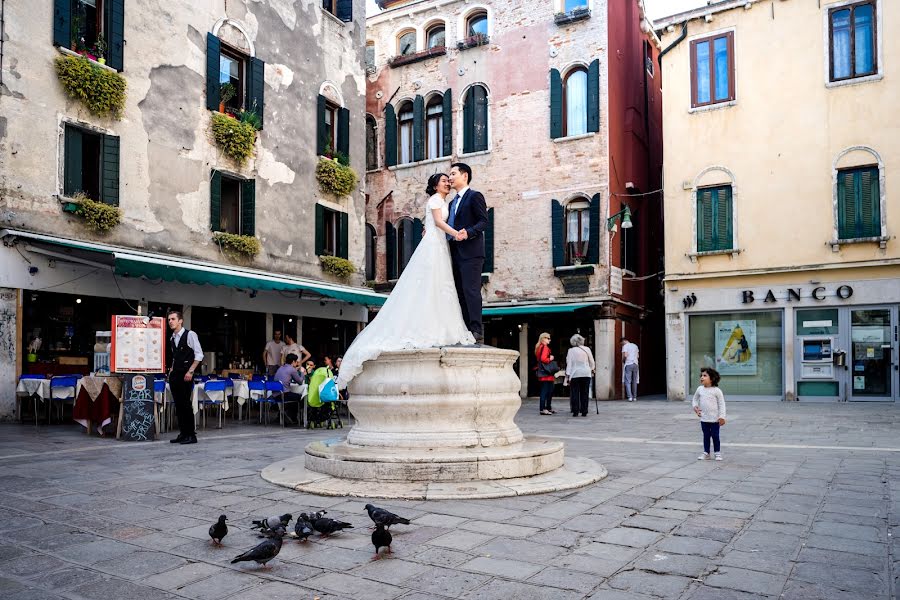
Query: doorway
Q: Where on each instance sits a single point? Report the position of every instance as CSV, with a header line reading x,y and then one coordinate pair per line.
x,y
872,354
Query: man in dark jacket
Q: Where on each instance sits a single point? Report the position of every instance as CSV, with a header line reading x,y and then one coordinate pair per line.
x,y
185,354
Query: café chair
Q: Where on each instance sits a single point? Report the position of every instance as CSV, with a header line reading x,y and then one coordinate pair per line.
x,y
62,390
274,395
257,389
34,398
213,385
161,400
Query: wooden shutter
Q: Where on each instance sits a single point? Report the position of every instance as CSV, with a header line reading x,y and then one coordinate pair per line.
x,y
390,243
343,239
469,121
390,136
846,206
115,29
418,128
869,203
593,85
74,164
109,185
556,115
705,241
593,249
343,131
320,230
213,52
345,10
215,201
256,88
248,207
489,244
62,23
416,233
321,128
723,218
448,122
558,227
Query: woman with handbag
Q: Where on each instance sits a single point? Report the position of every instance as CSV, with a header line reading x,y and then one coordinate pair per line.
x,y
545,370
579,370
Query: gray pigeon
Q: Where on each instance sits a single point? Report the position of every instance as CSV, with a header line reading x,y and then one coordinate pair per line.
x,y
264,551
326,526
218,530
384,517
269,524
303,528
381,538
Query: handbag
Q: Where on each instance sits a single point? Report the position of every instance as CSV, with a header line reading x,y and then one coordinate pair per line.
x,y
547,370
328,391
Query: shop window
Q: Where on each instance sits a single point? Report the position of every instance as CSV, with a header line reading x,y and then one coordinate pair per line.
x,y
342,9
577,231
715,219
436,36
94,28
852,43
477,24
91,164
475,120
371,240
232,204
332,128
746,348
434,130
331,232
371,144
712,70
575,102
234,81
405,120
406,42
859,203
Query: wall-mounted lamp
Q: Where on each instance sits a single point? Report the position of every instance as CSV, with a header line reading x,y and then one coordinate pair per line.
x,y
291,320
623,215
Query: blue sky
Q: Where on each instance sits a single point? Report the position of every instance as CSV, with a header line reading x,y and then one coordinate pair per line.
x,y
655,8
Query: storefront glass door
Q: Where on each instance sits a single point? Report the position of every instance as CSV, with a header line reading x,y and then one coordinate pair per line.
x,y
872,355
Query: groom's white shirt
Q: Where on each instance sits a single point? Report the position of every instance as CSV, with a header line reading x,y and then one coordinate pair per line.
x,y
459,197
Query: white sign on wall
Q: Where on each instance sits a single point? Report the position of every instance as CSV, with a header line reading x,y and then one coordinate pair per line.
x,y
615,280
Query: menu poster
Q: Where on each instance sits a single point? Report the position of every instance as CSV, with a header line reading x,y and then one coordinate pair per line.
x,y
138,345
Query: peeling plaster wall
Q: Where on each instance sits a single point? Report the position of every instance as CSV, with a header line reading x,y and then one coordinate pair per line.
x,y
167,149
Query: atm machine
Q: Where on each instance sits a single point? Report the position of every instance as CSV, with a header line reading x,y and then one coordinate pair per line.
x,y
819,376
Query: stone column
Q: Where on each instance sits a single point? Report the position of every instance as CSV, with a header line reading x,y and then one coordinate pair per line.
x,y
10,350
605,357
299,337
523,361
790,331
186,313
270,326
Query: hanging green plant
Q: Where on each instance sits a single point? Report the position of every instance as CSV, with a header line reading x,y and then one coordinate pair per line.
x,y
335,178
336,265
236,137
101,90
239,245
99,216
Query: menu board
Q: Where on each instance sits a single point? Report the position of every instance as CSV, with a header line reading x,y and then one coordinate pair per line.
x,y
138,345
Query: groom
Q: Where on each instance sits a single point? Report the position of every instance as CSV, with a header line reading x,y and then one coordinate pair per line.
x,y
468,215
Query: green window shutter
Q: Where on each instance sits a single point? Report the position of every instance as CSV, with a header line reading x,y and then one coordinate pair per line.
x,y
343,131
418,128
558,226
248,207
215,201
724,220
390,243
489,244
74,165
869,203
62,23
469,121
705,241
321,127
345,10
593,249
213,51
115,38
846,206
593,106
320,230
416,233
556,115
256,88
448,122
390,136
343,248
109,186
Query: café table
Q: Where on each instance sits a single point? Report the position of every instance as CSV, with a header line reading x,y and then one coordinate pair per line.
x,y
37,389
199,394
96,399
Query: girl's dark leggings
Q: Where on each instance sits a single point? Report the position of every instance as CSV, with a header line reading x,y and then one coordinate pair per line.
x,y
710,431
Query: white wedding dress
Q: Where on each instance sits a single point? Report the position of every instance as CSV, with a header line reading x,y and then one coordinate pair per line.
x,y
421,312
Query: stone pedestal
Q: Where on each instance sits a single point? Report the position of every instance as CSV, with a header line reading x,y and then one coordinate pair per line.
x,y
435,423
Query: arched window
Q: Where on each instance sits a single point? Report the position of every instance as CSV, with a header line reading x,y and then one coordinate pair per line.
x,y
434,127
370,56
475,120
572,5
405,243
578,227
406,42
477,23
405,125
371,144
575,99
371,238
435,36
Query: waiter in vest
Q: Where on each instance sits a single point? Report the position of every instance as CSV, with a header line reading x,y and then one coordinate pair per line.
x,y
185,355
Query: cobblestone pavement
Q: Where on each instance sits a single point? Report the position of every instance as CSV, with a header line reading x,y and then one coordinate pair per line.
x,y
806,504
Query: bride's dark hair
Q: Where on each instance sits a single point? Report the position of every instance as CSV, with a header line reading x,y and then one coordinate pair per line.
x,y
433,181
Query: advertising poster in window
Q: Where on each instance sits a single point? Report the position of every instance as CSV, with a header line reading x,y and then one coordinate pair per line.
x,y
736,347
138,345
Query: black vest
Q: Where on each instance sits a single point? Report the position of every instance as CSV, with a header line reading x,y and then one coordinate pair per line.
x,y
182,357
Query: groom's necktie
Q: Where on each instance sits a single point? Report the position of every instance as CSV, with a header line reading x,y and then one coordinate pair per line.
x,y
451,219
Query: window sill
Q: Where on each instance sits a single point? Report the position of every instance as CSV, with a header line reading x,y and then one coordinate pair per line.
x,y
709,107
572,17
407,59
332,17
477,153
881,240
68,52
572,138
854,81
695,255
573,270
417,163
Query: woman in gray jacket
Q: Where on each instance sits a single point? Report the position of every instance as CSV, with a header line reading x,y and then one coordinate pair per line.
x,y
579,370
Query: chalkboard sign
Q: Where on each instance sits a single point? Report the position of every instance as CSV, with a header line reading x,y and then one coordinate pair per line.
x,y
138,420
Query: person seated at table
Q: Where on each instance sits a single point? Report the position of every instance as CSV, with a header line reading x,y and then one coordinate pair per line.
x,y
310,368
288,374
316,412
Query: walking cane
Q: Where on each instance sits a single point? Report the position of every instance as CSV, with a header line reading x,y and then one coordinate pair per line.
x,y
596,402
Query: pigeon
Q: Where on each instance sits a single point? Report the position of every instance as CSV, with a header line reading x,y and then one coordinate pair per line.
x,y
264,551
270,524
218,530
326,526
303,528
384,517
381,538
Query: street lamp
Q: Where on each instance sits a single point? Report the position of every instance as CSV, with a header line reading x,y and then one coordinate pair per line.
x,y
623,215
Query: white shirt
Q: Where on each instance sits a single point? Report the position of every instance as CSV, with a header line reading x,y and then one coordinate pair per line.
x,y
294,348
711,401
579,362
630,351
459,196
273,353
193,343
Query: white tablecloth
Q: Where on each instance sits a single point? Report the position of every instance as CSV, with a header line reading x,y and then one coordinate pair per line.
x,y
199,393
240,390
31,387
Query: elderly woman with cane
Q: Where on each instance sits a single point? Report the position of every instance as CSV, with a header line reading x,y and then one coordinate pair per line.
x,y
579,370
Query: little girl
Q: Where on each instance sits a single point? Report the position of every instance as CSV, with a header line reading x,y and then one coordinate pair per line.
x,y
709,404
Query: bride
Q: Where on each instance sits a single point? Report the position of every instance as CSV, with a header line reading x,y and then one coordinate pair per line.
x,y
422,311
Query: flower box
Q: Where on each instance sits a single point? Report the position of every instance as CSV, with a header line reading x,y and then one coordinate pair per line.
x,y
579,14
473,41
406,59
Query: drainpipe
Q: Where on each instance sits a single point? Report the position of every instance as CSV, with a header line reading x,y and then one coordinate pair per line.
x,y
2,35
673,44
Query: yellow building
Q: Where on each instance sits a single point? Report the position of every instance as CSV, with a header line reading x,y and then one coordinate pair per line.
x,y
781,139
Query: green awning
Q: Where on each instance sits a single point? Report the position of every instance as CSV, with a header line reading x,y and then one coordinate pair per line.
x,y
533,309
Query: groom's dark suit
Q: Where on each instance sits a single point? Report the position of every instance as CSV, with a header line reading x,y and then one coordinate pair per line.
x,y
469,212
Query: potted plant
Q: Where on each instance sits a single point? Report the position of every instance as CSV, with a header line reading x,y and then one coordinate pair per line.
x,y
237,246
579,258
337,266
100,48
101,90
99,216
227,91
